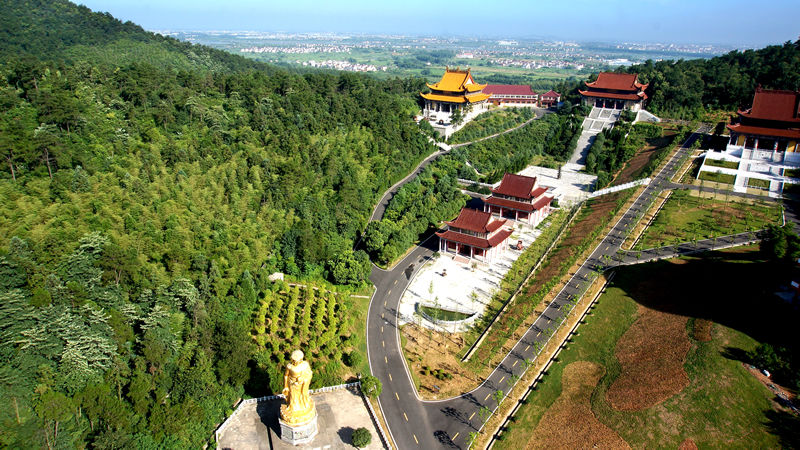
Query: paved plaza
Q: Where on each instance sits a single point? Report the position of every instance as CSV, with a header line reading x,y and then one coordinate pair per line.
x,y
454,291
254,426
571,188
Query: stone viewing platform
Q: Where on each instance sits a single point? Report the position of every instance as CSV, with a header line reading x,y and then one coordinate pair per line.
x,y
340,411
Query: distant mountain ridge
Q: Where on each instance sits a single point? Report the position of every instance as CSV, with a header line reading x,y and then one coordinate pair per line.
x,y
61,31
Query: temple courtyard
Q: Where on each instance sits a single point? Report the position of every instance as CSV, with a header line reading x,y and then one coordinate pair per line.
x,y
456,283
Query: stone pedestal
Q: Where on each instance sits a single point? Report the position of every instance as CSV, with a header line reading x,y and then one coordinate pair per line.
x,y
299,434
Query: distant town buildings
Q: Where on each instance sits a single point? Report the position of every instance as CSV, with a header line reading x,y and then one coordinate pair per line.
x,y
763,151
615,91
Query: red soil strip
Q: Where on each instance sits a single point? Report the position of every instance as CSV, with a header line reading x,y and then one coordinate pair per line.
x,y
570,422
651,353
688,444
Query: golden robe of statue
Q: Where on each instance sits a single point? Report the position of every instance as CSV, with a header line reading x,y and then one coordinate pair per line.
x,y
299,407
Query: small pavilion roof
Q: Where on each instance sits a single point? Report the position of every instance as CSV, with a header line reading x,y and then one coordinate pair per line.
x,y
516,186
455,80
477,221
617,82
783,106
551,94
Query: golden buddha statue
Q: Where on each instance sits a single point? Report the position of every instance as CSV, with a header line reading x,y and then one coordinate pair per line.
x,y
299,407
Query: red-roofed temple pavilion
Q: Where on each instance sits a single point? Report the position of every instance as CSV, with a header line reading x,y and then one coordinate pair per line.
x,y
474,234
772,124
519,198
616,91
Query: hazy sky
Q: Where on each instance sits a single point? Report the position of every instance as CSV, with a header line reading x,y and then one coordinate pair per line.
x,y
737,22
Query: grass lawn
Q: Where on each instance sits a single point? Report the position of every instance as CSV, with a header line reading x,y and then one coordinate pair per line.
x,y
758,183
717,177
723,405
792,173
721,163
686,217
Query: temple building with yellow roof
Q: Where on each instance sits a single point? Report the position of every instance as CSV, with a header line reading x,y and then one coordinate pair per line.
x,y
456,91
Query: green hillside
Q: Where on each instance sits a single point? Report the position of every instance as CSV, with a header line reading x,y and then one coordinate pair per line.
x,y
58,30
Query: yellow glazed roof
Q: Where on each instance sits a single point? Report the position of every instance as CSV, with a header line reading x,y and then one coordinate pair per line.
x,y
455,98
455,80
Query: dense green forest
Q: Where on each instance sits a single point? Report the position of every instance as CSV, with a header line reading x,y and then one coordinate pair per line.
x,y
146,200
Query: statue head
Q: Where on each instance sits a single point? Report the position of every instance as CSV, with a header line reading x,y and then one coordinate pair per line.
x,y
297,356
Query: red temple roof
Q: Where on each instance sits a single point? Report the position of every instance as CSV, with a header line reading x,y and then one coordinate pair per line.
x,y
617,82
508,89
474,241
521,206
551,94
515,186
634,97
477,221
776,105
791,133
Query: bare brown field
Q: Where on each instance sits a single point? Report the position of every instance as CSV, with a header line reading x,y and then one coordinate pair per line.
x,y
688,444
570,422
651,353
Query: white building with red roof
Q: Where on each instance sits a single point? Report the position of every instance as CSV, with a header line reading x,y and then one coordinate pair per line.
x,y
520,198
474,234
615,91
764,142
511,94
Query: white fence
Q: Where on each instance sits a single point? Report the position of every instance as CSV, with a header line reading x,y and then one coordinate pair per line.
x,y
621,187
270,398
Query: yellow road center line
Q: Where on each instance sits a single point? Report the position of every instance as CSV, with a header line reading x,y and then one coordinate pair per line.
x,y
501,379
540,333
385,360
384,303
406,417
515,363
395,282
415,438
487,396
382,315
381,329
454,437
470,417
526,348
396,396
383,343
389,293
390,377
